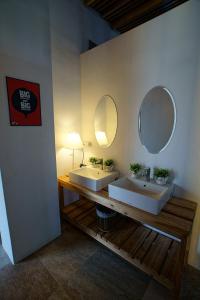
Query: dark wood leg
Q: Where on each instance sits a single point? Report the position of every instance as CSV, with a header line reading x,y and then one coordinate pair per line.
x,y
181,268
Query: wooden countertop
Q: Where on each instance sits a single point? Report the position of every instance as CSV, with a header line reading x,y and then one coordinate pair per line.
x,y
176,218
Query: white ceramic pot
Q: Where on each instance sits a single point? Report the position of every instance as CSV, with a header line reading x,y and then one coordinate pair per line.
x,y
134,175
95,165
161,180
108,168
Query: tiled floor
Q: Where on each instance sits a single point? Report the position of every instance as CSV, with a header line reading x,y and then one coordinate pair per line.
x,y
76,267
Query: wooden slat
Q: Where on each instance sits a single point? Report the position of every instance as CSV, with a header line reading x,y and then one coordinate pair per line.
x,y
104,5
85,213
121,8
91,2
170,266
148,15
183,203
134,242
88,219
174,221
80,210
68,208
157,253
142,251
131,15
179,211
123,230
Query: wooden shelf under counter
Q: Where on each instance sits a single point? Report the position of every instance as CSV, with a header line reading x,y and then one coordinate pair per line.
x,y
156,244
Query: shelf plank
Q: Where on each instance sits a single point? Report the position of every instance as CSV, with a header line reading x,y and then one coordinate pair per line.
x,y
141,252
178,211
175,225
146,249
78,211
183,203
69,208
157,253
88,219
123,230
132,244
169,267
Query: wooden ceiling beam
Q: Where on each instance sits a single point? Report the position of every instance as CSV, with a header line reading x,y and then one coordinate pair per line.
x,y
149,5
150,15
124,15
121,8
105,5
90,2
116,8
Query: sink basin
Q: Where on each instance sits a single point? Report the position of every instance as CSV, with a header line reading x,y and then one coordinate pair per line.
x,y
145,195
91,178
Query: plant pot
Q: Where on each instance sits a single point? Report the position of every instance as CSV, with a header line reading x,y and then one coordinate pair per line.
x,y
108,168
161,180
95,165
135,175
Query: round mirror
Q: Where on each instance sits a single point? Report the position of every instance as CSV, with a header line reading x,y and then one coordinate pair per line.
x,y
157,118
105,121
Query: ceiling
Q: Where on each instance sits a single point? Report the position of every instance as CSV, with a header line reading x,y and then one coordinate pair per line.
x,y
124,15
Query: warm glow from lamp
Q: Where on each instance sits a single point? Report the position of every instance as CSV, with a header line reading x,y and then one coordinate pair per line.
x,y
74,141
101,138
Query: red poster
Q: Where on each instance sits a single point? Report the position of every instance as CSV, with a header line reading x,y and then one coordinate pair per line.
x,y
24,102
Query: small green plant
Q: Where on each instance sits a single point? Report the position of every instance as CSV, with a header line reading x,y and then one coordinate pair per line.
x,y
108,162
135,168
93,160
158,172
96,161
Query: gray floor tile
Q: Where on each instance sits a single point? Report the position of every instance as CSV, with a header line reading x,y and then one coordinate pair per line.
x,y
191,284
26,280
76,267
156,291
106,276
4,260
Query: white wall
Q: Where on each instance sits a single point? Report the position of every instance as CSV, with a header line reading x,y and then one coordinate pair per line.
x,y
40,41
27,154
4,226
163,51
72,25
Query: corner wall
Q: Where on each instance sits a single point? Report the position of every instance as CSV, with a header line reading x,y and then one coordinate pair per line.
x,y
27,154
163,51
72,25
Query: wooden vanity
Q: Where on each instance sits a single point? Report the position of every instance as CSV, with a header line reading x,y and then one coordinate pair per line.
x,y
156,244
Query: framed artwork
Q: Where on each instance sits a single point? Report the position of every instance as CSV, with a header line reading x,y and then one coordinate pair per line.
x,y
24,102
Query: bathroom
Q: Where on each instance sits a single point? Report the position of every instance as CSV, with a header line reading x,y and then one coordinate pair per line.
x,y
161,52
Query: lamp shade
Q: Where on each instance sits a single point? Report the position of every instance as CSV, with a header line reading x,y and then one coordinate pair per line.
x,y
74,141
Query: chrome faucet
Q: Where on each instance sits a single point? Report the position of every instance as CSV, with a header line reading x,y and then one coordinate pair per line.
x,y
146,173
100,163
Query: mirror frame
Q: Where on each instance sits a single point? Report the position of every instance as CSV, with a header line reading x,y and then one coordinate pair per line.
x,y
174,124
106,95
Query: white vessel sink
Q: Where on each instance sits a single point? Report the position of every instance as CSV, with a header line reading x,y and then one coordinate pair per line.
x,y
91,178
145,195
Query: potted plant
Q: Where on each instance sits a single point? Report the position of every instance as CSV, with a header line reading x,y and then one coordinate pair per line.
x,y
96,162
161,175
108,165
135,169
93,161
